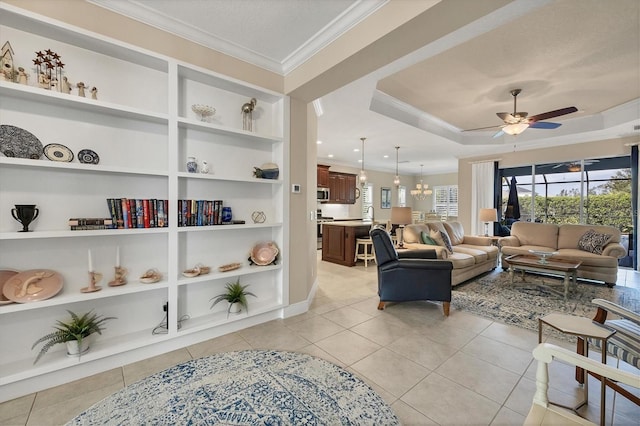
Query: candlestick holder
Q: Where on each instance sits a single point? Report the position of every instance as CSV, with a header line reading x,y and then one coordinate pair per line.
x,y
94,278
119,278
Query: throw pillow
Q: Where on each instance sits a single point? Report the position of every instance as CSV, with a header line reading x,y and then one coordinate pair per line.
x,y
447,241
437,236
426,239
593,241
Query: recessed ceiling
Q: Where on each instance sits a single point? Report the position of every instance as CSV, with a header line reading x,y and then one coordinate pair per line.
x,y
583,53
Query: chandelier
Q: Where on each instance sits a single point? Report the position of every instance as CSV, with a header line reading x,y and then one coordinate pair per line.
x,y
363,174
422,190
396,180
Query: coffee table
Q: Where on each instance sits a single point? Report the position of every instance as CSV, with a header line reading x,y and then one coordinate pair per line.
x,y
524,263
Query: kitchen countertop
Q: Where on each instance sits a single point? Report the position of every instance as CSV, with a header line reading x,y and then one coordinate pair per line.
x,y
350,223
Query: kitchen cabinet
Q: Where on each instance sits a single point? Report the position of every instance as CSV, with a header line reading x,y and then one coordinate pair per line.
x,y
342,188
323,176
339,241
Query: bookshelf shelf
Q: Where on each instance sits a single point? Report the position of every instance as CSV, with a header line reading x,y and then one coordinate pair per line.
x,y
143,134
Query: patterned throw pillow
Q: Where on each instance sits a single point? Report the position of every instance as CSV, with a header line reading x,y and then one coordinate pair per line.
x,y
593,241
426,239
442,239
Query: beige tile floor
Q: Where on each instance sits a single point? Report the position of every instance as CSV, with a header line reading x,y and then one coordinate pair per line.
x,y
432,370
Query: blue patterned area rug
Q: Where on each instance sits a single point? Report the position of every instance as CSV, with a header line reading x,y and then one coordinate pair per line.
x,y
522,303
245,388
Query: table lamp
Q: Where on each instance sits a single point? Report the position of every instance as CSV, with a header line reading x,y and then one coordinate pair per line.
x,y
487,216
400,216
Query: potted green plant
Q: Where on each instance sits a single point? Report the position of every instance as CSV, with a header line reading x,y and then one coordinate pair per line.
x,y
74,333
236,295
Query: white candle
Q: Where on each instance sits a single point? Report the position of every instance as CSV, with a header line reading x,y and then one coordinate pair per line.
x,y
117,256
90,262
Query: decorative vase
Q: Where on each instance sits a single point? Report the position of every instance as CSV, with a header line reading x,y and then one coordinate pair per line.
x,y
226,214
235,308
192,165
74,351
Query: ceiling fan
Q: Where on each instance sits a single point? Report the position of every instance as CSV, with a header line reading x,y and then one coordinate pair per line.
x,y
572,166
517,122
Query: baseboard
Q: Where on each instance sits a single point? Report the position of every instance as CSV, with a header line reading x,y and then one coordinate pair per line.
x,y
301,307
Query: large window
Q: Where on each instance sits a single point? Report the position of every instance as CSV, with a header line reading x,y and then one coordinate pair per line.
x,y
446,201
594,192
402,196
367,201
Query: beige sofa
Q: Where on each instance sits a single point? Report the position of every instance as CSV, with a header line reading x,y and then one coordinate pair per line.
x,y
564,239
471,255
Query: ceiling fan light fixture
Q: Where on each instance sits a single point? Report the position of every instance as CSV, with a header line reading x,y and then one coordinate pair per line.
x,y
574,167
515,129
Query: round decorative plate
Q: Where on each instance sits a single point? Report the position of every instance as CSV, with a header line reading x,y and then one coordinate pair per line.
x,y
264,253
17,142
32,285
87,156
5,274
58,152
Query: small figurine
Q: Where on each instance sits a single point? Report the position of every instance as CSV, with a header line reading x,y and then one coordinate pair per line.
x,y
80,87
43,80
23,77
205,167
247,114
65,87
94,93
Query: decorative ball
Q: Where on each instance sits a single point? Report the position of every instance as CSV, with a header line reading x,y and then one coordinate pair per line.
x,y
258,217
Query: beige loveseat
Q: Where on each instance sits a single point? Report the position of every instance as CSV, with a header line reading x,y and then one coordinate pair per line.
x,y
471,255
564,239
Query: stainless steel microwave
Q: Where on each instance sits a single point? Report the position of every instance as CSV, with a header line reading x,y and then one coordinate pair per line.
x,y
323,194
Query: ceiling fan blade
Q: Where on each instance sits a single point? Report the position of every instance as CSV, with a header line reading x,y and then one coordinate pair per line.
x,y
558,165
481,128
551,114
506,117
498,134
544,125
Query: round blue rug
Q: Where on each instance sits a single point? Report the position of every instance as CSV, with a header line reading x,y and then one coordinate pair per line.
x,y
245,388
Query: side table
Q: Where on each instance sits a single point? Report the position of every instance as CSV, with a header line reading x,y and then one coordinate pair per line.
x,y
584,329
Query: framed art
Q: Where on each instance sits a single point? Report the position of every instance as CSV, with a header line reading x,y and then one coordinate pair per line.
x,y
385,198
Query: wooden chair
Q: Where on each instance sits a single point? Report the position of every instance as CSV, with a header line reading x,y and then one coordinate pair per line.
x,y
542,412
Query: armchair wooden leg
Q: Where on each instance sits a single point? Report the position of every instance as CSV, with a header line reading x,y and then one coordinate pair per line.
x,y
445,308
381,305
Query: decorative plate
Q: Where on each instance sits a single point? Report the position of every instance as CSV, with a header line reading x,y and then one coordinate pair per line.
x,y
33,285
5,274
87,156
58,152
264,253
17,142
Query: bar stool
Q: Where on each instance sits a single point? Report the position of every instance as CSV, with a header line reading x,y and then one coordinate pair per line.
x,y
367,253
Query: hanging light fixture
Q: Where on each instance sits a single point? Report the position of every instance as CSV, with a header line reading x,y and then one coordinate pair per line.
x,y
396,180
422,190
363,175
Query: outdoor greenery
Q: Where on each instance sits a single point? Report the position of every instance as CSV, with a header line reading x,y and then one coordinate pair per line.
x,y
606,204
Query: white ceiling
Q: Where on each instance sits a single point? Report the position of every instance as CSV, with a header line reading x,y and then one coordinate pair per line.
x,y
583,53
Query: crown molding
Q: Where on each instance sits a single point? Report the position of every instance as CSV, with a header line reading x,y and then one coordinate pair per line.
x,y
330,32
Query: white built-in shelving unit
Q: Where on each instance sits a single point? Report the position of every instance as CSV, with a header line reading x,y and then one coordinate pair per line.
x,y
143,129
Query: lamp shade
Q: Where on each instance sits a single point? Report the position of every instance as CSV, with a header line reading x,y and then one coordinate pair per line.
x,y
488,215
401,215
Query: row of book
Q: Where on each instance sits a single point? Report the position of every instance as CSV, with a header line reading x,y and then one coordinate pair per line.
x,y
201,213
127,213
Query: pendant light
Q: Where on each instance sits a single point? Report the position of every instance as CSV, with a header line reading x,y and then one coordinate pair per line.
x,y
363,174
422,190
396,180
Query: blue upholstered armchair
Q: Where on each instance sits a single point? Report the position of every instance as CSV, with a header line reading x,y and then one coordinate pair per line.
x,y
410,274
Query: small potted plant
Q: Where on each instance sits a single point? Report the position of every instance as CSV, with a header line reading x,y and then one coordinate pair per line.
x,y
236,295
74,333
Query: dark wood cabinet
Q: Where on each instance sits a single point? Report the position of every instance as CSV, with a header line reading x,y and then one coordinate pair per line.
x,y
323,176
339,243
342,188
